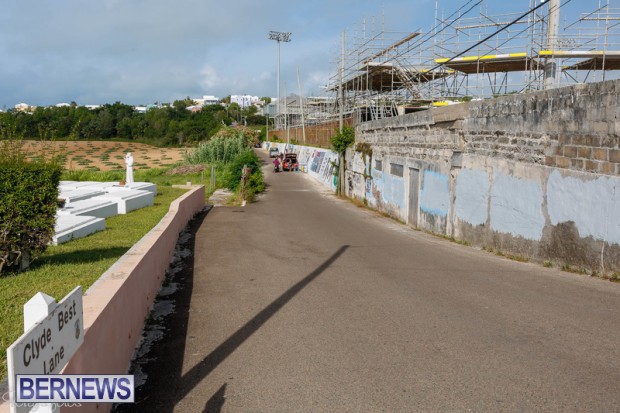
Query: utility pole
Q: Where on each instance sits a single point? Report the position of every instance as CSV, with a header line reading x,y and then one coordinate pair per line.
x,y
340,88
301,107
341,156
553,23
279,37
288,135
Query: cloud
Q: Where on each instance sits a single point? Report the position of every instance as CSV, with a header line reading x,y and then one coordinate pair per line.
x,y
140,51
209,77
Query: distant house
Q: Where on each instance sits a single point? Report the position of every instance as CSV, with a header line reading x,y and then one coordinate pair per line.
x,y
24,107
62,105
194,108
244,101
92,107
207,100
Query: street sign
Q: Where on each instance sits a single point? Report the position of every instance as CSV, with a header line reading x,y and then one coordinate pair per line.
x,y
47,347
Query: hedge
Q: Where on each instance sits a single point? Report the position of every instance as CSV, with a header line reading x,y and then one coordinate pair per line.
x,y
28,202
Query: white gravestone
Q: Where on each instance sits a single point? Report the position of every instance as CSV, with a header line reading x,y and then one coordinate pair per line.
x,y
129,163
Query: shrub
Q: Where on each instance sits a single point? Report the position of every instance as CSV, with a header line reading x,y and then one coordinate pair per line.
x,y
342,140
234,172
29,193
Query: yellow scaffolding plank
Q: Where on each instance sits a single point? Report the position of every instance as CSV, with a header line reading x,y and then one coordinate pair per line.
x,y
577,54
491,63
505,56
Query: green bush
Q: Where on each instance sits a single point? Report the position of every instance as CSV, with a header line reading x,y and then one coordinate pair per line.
x,y
29,193
342,140
234,171
255,185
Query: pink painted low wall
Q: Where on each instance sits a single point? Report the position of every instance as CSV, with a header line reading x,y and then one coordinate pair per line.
x,y
116,306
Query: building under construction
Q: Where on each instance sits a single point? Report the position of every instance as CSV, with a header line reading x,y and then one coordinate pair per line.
x,y
467,54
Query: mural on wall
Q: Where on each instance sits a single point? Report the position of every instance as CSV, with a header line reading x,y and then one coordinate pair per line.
x,y
568,197
435,194
516,207
304,156
317,161
472,196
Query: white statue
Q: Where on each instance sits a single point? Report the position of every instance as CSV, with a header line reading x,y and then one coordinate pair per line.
x,y
129,163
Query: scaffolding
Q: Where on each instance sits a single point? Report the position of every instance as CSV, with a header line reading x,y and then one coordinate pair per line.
x,y
383,71
468,54
515,59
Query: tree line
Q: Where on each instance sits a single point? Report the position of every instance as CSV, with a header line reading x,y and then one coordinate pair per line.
x,y
162,126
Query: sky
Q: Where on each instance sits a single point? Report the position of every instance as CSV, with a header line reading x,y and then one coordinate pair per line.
x,y
145,51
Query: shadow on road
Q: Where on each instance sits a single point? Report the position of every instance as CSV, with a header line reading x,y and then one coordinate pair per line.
x,y
216,402
166,385
217,356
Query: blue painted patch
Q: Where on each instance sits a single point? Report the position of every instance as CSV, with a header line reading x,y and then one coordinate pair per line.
x,y
435,194
516,207
394,191
472,196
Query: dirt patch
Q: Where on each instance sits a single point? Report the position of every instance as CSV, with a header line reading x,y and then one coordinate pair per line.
x,y
186,170
104,156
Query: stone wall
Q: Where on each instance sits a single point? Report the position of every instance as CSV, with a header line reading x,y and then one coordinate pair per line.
x,y
533,175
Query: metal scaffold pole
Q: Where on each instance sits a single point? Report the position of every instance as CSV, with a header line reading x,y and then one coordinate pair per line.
x,y
553,24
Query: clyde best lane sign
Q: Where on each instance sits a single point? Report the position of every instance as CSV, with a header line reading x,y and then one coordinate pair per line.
x,y
47,346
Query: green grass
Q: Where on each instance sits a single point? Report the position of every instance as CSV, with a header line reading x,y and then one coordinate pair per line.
x,y
78,262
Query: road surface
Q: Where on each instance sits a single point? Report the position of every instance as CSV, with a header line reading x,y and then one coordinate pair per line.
x,y
302,302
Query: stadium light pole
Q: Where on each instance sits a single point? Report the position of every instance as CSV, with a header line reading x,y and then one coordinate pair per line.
x,y
279,37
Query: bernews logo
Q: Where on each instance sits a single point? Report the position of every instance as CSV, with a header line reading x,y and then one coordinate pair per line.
x,y
91,388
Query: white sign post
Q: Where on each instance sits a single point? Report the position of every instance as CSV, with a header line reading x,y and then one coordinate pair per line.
x,y
53,333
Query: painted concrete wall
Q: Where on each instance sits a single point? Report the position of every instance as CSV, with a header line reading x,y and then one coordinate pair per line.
x,y
535,175
116,306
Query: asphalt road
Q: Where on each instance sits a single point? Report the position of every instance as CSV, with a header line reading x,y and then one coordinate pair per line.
x,y
302,302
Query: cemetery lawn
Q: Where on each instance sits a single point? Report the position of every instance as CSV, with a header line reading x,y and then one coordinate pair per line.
x,y
80,262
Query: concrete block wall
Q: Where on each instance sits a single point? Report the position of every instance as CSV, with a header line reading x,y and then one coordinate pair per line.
x,y
533,175
570,128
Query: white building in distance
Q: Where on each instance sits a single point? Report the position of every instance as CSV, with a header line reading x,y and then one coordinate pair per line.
x,y
207,100
244,101
24,107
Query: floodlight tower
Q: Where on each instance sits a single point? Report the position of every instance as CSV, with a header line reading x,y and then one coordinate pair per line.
x,y
553,23
279,37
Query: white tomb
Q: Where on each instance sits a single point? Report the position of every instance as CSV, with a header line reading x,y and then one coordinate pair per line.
x,y
87,204
70,226
129,199
74,195
114,186
103,186
68,185
99,208
140,186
